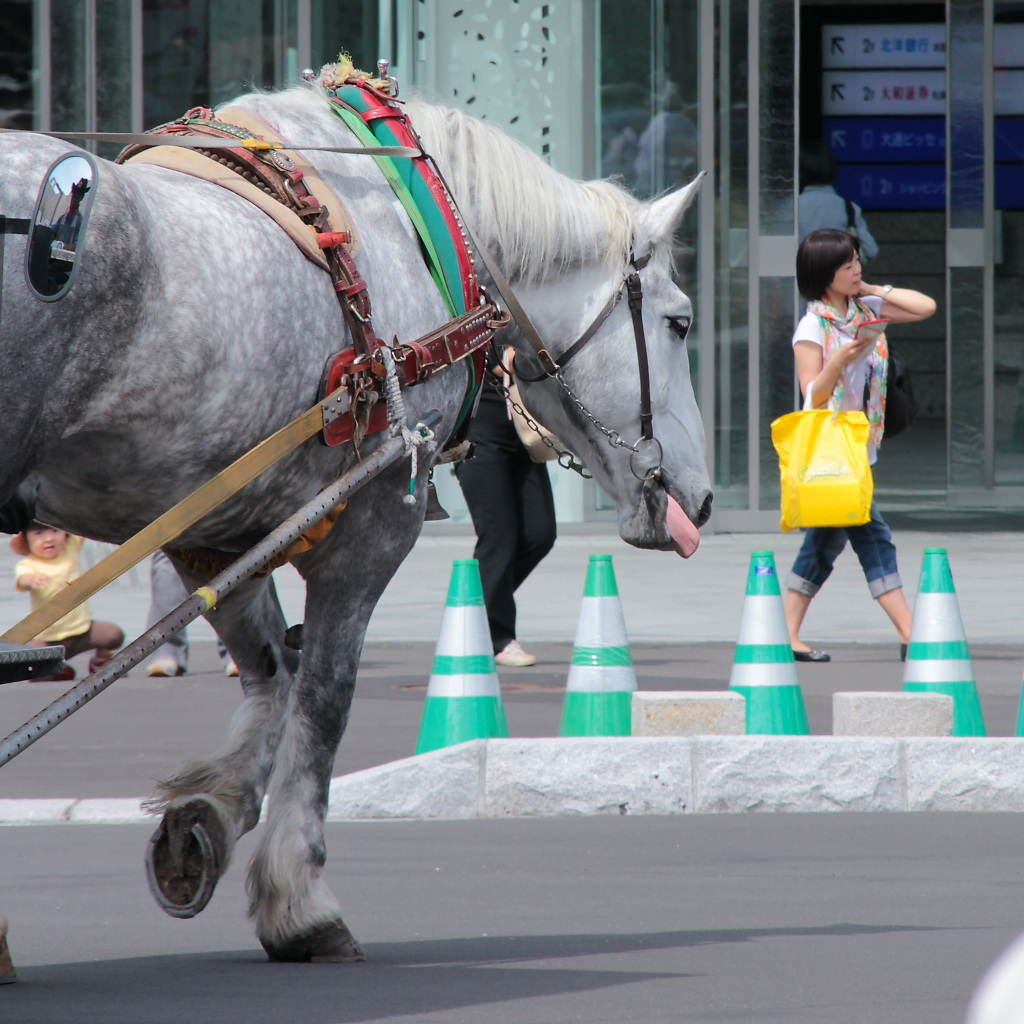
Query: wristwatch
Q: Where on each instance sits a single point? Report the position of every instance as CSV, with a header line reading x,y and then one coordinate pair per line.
x,y
886,288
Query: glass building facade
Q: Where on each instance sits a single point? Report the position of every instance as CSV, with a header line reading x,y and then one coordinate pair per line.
x,y
920,104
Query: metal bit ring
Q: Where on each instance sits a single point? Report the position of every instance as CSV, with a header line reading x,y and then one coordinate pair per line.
x,y
655,471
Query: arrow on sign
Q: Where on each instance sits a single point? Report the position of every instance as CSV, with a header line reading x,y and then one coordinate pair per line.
x,y
839,138
837,91
837,44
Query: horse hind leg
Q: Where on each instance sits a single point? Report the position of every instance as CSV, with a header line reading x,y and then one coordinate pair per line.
x,y
208,804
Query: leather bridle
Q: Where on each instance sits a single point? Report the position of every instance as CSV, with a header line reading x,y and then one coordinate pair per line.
x,y
553,367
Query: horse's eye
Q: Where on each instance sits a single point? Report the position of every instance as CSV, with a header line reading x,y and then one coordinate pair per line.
x,y
678,325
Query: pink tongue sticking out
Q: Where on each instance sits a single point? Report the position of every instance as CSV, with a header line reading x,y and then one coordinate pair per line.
x,y
684,534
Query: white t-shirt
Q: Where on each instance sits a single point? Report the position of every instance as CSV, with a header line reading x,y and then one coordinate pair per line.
x,y
855,375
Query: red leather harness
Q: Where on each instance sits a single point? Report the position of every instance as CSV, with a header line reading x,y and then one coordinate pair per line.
x,y
359,369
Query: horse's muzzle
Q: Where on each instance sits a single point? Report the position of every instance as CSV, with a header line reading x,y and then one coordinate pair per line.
x,y
665,519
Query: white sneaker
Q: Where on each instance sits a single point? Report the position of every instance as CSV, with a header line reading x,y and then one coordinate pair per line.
x,y
230,668
164,667
513,656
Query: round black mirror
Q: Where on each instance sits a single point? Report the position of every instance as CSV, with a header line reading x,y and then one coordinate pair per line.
x,y
59,224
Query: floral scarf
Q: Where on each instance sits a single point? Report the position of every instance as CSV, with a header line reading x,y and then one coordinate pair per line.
x,y
878,362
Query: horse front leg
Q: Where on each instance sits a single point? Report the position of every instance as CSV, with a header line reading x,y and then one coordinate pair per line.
x,y
297,917
209,803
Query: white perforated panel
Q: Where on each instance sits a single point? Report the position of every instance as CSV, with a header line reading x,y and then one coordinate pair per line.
x,y
517,63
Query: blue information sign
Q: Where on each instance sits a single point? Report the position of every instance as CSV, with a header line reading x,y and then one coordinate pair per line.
x,y
894,186
886,139
1009,138
1009,187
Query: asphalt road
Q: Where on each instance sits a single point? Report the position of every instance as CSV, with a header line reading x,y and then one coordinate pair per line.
x,y
781,919
141,729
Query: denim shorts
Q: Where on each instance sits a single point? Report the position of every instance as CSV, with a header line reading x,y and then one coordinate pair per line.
x,y
823,544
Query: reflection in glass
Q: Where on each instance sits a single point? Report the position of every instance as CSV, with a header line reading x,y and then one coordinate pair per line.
x,y
16,29
207,52
777,136
1008,301
628,67
349,25
966,114
967,376
58,226
1009,346
68,62
114,75
731,258
649,72
649,121
966,345
776,379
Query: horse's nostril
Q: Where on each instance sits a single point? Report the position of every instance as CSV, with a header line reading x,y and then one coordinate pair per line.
x,y
705,510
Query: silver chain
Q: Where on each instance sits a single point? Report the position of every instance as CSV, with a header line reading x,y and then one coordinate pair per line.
x,y
613,436
615,439
566,459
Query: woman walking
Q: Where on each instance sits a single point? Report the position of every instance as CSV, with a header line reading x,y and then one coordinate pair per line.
x,y
845,372
513,510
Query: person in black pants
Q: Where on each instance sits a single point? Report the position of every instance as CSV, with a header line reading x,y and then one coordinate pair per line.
x,y
509,497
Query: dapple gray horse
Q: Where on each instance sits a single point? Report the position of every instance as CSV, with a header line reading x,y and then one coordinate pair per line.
x,y
195,328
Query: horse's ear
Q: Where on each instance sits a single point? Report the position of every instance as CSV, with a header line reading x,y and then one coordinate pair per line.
x,y
660,219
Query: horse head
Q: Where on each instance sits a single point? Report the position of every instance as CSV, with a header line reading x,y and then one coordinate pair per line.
x,y
567,247
660,486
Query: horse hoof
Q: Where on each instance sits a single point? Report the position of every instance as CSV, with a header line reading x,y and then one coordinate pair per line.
x,y
329,943
7,973
184,858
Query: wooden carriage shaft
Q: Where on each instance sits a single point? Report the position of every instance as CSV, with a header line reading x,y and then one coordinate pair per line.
x,y
206,597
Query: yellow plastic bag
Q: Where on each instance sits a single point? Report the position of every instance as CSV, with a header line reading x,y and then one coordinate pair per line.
x,y
823,462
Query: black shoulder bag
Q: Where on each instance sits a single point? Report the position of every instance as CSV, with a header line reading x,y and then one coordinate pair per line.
x,y
900,404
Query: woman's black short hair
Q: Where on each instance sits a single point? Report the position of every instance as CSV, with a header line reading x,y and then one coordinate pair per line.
x,y
816,165
820,255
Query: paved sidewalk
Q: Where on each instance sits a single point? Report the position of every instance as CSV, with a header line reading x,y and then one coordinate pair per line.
x,y
665,599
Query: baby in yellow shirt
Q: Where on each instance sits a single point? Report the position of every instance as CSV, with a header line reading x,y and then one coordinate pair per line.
x,y
50,565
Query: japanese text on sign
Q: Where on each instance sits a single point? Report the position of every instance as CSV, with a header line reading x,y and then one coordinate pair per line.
x,y
883,46
883,92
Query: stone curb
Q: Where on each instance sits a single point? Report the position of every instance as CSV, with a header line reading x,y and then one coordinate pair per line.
x,y
675,775
645,775
126,811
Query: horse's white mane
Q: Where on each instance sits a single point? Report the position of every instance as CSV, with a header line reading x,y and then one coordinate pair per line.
x,y
535,221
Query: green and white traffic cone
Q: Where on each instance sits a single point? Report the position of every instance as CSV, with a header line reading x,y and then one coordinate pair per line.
x,y
601,680
463,698
763,668
1020,714
938,659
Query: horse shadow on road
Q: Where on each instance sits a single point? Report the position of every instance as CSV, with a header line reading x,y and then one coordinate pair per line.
x,y
400,979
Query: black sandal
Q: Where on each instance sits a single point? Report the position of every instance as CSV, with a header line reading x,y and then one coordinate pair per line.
x,y
818,656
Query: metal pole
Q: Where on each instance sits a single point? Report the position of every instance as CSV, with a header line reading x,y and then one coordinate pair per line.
x,y
206,597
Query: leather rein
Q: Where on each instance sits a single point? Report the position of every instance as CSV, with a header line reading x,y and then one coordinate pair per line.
x,y
553,367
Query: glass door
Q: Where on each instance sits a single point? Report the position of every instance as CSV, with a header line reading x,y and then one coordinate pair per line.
x,y
753,136
1008,244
